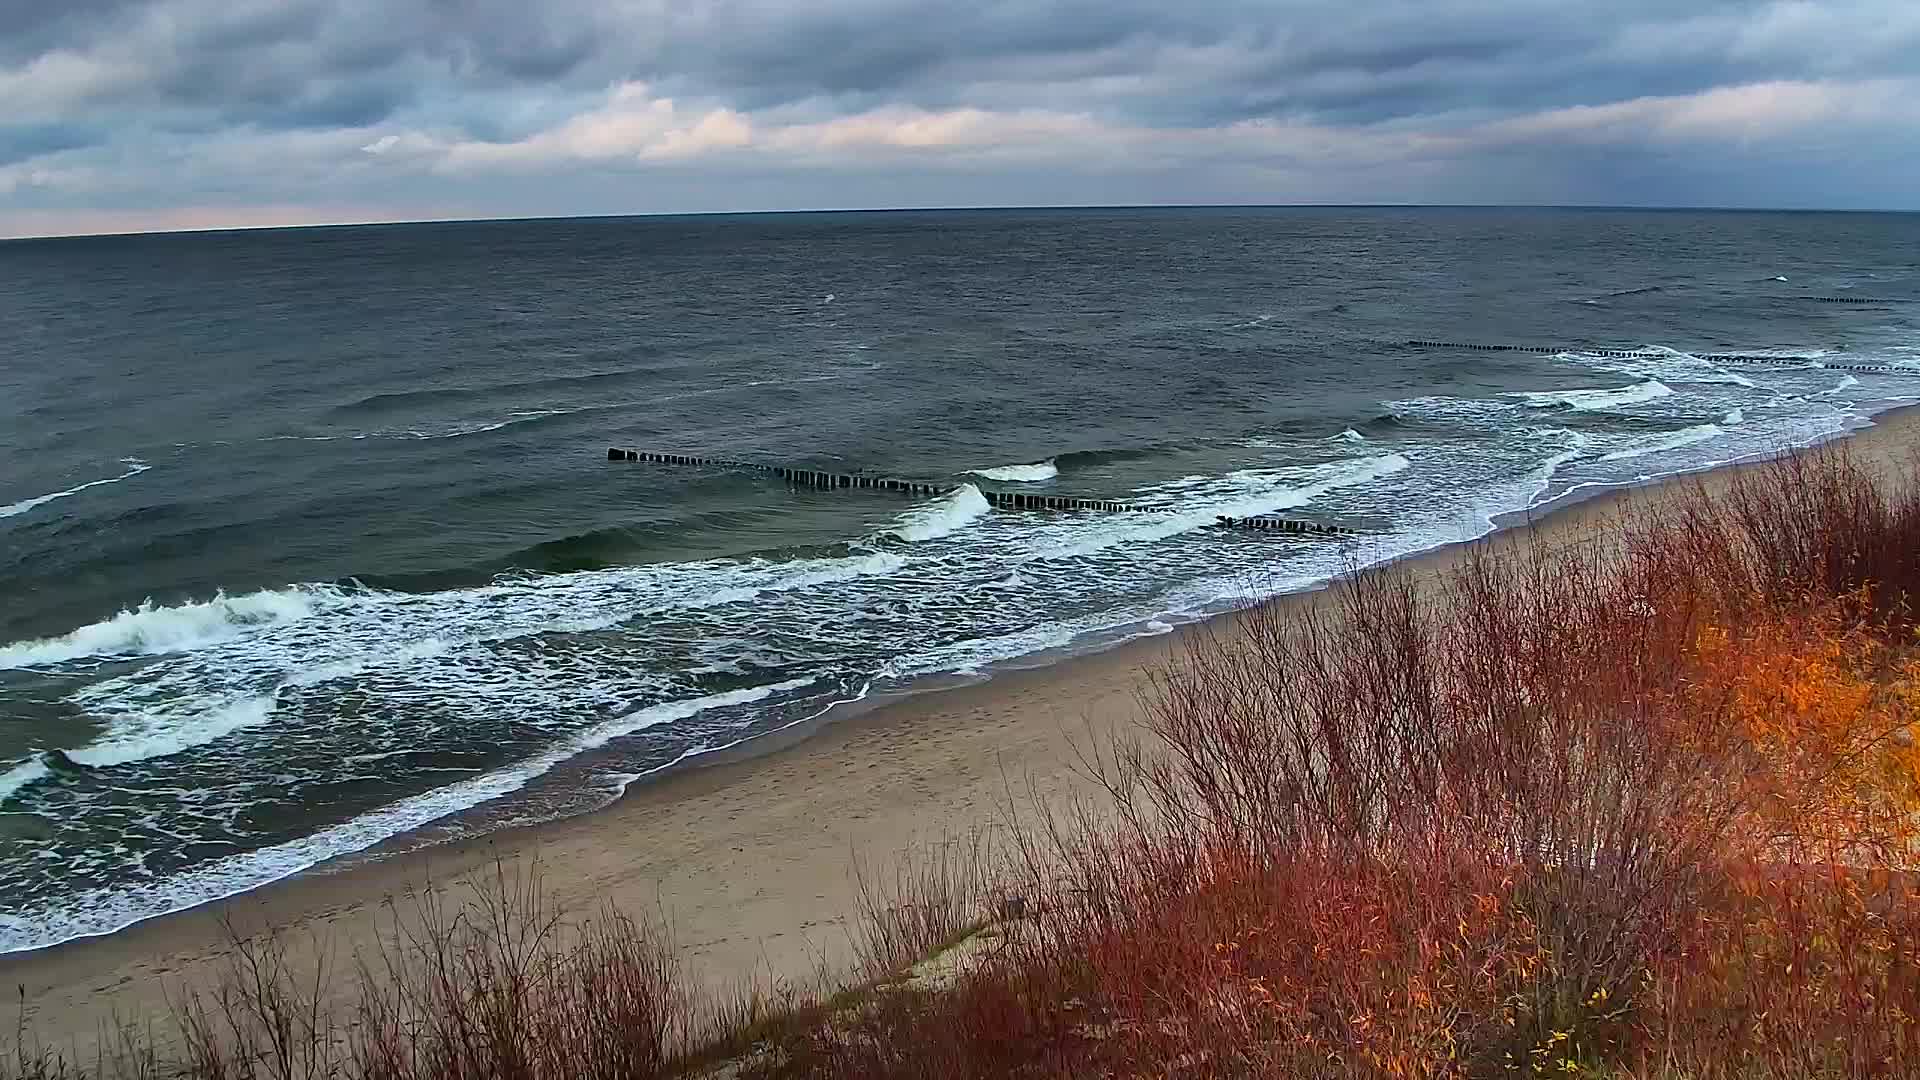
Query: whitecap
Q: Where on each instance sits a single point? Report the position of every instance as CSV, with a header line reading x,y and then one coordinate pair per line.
x,y
1672,440
1659,362
1734,416
32,770
134,468
1025,474
1349,435
150,630
1590,400
958,509
231,680
135,737
1199,502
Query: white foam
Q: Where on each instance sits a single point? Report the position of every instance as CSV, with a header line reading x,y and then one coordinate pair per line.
x,y
135,737
772,577
134,468
149,630
1349,435
1199,502
960,508
1540,478
1590,400
1734,416
230,678
396,656
97,911
1673,440
1847,381
1025,474
1663,363
26,772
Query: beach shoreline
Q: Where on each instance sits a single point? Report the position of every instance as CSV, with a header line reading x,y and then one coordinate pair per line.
x,y
748,851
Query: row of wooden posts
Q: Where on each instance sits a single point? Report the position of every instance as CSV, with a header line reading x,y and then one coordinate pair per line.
x,y
1648,354
1005,500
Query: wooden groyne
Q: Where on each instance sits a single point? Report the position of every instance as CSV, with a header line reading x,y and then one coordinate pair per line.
x,y
1650,354
1003,500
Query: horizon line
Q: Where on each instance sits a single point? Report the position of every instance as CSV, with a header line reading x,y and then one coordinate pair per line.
x,y
979,208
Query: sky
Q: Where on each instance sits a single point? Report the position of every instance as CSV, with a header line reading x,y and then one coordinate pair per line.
x,y
136,115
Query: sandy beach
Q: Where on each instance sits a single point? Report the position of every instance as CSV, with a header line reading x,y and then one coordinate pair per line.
x,y
748,855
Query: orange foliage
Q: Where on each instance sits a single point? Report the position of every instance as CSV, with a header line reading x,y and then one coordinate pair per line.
x,y
1829,703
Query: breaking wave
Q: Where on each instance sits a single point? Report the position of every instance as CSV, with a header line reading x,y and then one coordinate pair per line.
x,y
149,630
143,736
21,774
1591,400
1025,474
955,511
1671,441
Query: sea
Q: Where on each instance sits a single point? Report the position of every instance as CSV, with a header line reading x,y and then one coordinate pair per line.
x,y
310,545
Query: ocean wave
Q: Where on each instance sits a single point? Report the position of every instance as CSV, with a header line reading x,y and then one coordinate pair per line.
x,y
150,630
1664,364
1847,382
228,683
23,773
1592,400
1542,474
1025,474
953,512
1682,366
786,577
1198,502
1349,435
1734,415
134,468
135,737
1672,441
97,911
407,400
1082,458
386,657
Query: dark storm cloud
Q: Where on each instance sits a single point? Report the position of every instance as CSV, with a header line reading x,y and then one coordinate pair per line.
x,y
155,95
1202,62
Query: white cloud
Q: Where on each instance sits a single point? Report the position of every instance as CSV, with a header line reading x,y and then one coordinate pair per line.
x,y
1758,111
632,125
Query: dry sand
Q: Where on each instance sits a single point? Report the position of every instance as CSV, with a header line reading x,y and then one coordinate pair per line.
x,y
749,858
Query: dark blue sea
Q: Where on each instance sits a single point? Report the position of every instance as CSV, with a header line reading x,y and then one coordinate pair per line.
x,y
308,539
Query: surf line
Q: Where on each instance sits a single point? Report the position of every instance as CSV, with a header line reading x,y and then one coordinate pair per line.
x,y
1004,500
1650,354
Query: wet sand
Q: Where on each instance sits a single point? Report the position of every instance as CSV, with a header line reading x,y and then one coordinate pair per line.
x,y
748,855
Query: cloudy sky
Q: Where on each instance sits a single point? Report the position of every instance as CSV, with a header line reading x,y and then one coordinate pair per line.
x,y
121,115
